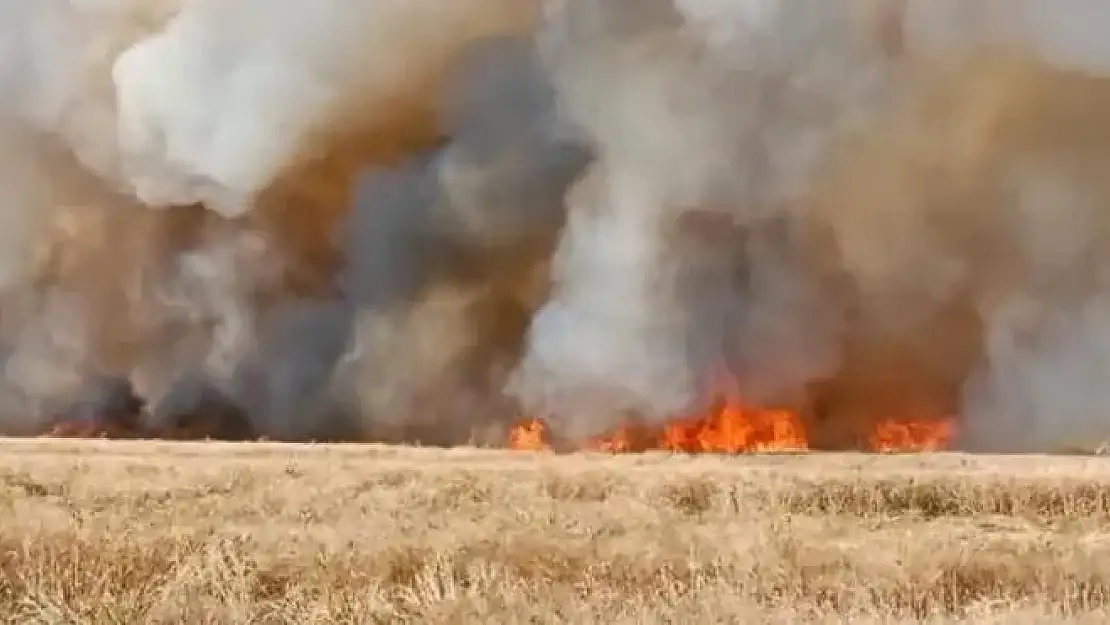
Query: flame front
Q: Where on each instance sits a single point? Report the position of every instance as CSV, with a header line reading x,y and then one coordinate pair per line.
x,y
732,426
905,435
529,435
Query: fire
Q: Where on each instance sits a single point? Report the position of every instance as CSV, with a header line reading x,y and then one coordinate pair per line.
x,y
732,426
728,427
905,435
530,435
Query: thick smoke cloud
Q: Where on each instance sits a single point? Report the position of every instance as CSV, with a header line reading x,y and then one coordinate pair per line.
x,y
422,220
708,133
117,110
448,254
218,104
865,283
971,220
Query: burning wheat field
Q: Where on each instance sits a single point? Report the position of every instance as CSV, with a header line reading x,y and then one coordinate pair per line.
x,y
554,310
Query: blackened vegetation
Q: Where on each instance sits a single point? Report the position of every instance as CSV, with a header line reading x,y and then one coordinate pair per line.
x,y
104,407
195,408
109,407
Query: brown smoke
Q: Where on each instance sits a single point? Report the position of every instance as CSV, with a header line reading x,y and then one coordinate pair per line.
x,y
903,206
113,286
981,197
417,222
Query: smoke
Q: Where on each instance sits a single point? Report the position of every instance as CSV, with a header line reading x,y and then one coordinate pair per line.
x,y
448,254
423,220
176,174
228,95
838,201
971,221
711,124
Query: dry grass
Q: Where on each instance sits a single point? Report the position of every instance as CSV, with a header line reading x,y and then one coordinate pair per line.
x,y
169,533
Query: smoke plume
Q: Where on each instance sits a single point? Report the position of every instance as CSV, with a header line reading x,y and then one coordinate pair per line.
x,y
865,157
424,220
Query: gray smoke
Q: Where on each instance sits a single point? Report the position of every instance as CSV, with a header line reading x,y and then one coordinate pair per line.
x,y
214,107
721,118
974,218
746,116
444,253
408,221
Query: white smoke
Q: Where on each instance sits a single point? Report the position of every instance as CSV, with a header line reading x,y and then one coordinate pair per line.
x,y
1045,383
726,115
214,107
1067,34
736,109
110,105
718,131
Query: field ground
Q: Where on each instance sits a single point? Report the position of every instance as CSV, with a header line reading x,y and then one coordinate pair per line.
x,y
102,531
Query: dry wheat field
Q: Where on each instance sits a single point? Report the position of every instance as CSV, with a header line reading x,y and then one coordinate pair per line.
x,y
160,532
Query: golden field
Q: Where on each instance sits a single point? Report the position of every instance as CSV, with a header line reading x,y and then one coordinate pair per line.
x,y
160,532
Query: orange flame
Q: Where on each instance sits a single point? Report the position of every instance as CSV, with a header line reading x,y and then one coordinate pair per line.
x,y
903,435
732,426
529,435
